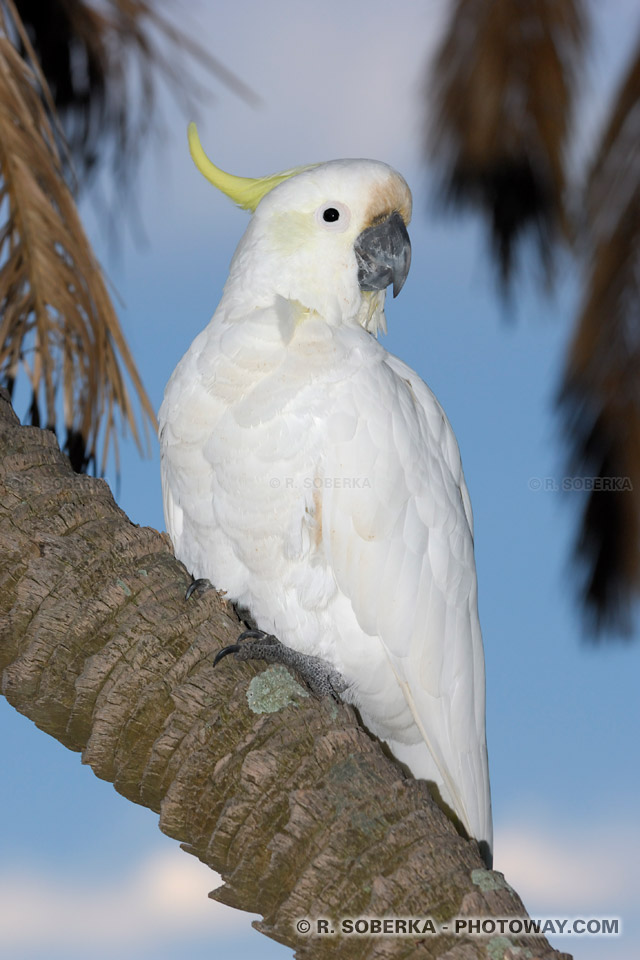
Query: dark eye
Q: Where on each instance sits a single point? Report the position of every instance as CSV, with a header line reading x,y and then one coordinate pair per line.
x,y
333,216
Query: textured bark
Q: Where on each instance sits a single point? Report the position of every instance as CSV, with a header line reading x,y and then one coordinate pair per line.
x,y
298,809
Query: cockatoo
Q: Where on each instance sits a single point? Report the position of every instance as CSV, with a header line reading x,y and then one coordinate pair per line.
x,y
315,478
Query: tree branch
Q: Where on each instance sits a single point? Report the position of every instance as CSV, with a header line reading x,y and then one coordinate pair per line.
x,y
287,797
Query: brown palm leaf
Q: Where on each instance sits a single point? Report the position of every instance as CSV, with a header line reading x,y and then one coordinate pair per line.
x,y
57,322
501,89
600,397
102,60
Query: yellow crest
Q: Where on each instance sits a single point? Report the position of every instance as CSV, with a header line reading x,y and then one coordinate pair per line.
x,y
244,191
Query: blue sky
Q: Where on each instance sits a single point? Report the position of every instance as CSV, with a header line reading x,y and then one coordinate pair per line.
x,y
344,80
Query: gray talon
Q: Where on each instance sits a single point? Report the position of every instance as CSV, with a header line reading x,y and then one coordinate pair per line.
x,y
255,634
198,586
323,679
232,648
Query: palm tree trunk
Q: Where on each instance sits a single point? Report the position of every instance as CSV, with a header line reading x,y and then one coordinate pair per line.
x,y
287,797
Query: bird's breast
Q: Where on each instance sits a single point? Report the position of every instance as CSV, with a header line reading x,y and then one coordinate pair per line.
x,y
252,433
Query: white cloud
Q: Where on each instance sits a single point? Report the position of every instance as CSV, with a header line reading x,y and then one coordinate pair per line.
x,y
576,869
586,871
571,868
164,896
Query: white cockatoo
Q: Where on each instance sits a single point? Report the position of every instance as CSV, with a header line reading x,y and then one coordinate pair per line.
x,y
315,478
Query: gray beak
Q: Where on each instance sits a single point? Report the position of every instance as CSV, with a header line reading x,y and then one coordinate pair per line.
x,y
383,252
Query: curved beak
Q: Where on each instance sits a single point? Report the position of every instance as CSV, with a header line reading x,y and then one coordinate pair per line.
x,y
383,252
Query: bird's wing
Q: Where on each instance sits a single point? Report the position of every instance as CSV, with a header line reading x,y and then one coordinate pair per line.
x,y
398,534
187,416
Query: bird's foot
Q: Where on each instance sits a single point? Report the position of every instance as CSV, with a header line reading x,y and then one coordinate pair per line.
x,y
199,586
323,679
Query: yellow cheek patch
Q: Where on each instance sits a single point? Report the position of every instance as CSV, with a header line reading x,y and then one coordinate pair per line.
x,y
291,229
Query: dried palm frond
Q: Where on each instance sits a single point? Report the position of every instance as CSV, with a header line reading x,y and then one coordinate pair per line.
x,y
102,61
57,322
600,397
501,91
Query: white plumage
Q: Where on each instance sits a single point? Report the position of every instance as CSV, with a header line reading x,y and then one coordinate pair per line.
x,y
315,478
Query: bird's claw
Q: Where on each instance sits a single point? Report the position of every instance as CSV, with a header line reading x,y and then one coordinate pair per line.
x,y
248,651
201,585
232,648
260,635
323,679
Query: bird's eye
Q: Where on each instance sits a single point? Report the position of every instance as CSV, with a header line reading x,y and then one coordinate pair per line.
x,y
333,216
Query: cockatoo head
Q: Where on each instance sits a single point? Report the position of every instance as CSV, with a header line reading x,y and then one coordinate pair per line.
x,y
330,237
